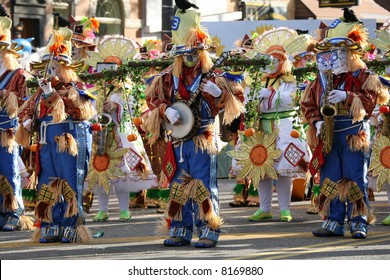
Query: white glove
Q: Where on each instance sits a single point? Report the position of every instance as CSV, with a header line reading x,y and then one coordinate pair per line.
x,y
45,85
27,124
336,96
172,115
212,89
264,93
319,125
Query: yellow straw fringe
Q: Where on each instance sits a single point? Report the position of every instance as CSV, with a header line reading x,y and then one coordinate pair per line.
x,y
22,137
373,83
58,111
7,139
26,223
162,228
357,110
11,104
84,233
67,144
36,235
152,125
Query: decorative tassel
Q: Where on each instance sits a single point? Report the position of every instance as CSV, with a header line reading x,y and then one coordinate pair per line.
x,y
67,144
357,110
26,223
152,125
22,137
233,108
58,111
371,218
11,104
374,83
324,207
311,136
43,211
344,187
359,208
208,214
205,143
359,142
162,228
174,210
36,235
9,202
83,233
70,197
7,139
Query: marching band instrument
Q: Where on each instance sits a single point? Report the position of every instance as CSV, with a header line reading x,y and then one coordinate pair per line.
x,y
328,111
189,110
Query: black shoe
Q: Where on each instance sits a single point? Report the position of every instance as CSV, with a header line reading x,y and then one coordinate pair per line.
x,y
325,233
205,243
175,242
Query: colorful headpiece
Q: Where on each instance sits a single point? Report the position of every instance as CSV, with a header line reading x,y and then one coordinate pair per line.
x,y
113,49
351,35
5,36
280,42
187,33
59,47
84,31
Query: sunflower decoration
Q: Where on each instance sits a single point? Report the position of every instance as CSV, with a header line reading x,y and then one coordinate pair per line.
x,y
105,167
256,156
380,161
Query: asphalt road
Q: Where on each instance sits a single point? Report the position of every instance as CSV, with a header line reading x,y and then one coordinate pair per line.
x,y
240,240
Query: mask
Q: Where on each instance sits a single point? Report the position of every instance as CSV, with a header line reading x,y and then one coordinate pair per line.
x,y
335,60
191,59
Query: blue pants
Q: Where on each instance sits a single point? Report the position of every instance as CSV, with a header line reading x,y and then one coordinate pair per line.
x,y
202,166
9,168
73,169
342,163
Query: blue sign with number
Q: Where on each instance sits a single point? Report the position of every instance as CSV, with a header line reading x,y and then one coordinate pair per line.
x,y
175,23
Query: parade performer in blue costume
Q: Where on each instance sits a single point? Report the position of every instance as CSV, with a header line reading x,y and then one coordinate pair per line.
x,y
60,109
191,160
337,106
12,94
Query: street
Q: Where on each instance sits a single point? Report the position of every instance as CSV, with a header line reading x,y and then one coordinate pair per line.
x,y
240,239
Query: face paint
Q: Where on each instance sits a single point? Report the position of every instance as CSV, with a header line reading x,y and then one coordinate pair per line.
x,y
335,60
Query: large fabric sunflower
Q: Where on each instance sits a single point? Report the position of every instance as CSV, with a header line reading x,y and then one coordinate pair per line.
x,y
256,156
380,161
104,168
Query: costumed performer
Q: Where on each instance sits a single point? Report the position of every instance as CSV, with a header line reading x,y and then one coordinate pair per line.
x,y
58,114
191,157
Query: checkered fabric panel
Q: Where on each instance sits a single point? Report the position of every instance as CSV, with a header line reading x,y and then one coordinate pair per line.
x,y
293,154
46,195
133,159
354,193
177,193
329,188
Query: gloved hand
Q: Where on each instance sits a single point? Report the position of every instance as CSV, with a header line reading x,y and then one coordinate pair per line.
x,y
319,125
336,96
27,124
264,93
212,89
45,85
172,115
109,106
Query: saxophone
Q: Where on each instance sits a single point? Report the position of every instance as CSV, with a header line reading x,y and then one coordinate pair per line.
x,y
328,111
